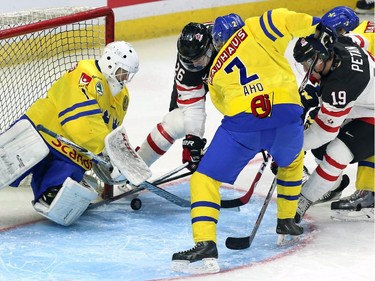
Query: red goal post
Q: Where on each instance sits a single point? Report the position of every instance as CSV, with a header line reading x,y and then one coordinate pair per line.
x,y
38,46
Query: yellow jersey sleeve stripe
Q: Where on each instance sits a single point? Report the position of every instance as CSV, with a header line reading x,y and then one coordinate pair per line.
x,y
271,25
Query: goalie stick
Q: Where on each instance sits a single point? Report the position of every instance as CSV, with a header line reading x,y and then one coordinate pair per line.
x,y
237,202
82,150
163,179
240,243
145,185
152,187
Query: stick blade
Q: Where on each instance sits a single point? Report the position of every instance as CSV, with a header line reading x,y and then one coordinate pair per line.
x,y
237,243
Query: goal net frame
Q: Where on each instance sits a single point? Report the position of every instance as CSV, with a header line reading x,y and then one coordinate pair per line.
x,y
15,33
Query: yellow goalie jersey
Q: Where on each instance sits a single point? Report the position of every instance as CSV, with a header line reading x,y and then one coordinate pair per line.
x,y
80,107
250,73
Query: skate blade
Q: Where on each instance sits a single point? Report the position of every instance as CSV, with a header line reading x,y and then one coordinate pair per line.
x,y
209,265
365,214
286,240
180,266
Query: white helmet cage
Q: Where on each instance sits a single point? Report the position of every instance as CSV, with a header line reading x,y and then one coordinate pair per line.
x,y
118,55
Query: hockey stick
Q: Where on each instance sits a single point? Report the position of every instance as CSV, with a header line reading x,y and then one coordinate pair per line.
x,y
116,197
174,178
145,185
240,243
307,76
82,150
163,179
237,202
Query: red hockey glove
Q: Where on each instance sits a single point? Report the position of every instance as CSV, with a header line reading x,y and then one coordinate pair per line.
x,y
192,151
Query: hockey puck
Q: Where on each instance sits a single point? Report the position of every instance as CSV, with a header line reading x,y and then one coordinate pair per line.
x,y
136,204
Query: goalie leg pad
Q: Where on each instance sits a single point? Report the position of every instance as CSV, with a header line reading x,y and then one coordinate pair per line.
x,y
21,148
69,204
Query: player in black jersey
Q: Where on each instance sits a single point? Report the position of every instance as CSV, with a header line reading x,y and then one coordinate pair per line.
x,y
187,113
344,126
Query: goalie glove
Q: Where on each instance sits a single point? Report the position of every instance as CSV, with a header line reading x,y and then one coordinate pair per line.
x,y
192,151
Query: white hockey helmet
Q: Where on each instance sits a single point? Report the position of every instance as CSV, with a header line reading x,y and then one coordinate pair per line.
x,y
119,63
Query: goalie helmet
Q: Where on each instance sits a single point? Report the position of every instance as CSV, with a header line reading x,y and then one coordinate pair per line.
x,y
119,63
341,17
194,46
224,27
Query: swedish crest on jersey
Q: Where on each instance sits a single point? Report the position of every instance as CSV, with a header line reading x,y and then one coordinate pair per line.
x,y
99,88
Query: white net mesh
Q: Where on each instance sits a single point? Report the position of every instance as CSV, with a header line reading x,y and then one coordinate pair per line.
x,y
32,59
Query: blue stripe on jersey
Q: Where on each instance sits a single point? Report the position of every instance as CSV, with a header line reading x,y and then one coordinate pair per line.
x,y
203,218
81,114
290,198
77,105
289,183
273,27
366,164
263,26
205,204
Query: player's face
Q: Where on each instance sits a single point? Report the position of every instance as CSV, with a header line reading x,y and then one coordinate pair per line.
x,y
122,75
201,62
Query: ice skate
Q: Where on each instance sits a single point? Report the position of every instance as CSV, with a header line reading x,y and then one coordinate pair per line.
x,y
334,194
365,7
357,207
48,196
204,253
288,232
306,174
303,205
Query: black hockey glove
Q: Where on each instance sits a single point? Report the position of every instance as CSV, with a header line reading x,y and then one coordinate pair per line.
x,y
192,151
327,36
310,97
311,116
274,167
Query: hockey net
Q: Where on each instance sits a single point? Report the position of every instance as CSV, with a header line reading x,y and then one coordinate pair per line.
x,y
38,46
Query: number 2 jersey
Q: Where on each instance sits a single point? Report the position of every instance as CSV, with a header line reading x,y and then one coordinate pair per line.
x,y
251,75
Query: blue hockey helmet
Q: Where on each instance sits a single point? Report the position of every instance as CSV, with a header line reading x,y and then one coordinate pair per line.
x,y
224,27
341,17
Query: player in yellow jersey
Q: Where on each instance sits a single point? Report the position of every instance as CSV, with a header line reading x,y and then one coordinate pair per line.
x,y
84,105
252,84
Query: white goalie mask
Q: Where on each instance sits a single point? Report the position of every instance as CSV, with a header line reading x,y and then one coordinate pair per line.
x,y
119,63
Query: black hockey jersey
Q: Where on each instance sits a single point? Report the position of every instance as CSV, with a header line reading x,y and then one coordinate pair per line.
x,y
347,92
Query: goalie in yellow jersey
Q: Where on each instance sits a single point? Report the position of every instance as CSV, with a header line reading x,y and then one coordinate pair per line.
x,y
84,105
252,84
